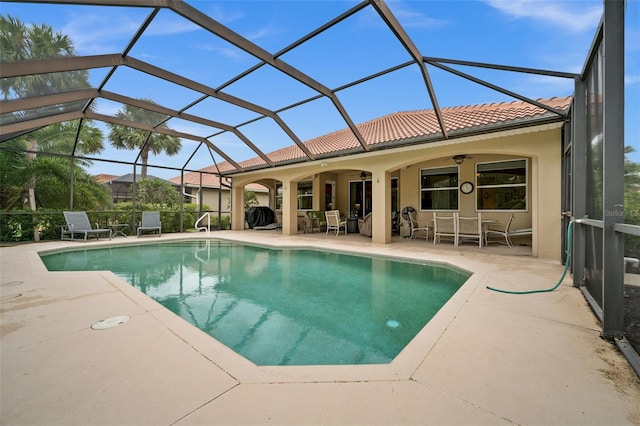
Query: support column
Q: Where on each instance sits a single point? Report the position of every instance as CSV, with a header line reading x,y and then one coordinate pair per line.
x,y
237,206
613,173
381,202
579,180
289,207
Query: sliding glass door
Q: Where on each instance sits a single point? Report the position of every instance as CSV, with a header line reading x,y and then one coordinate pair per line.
x,y
359,198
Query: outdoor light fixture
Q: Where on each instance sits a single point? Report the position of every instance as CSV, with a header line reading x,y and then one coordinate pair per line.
x,y
363,175
459,159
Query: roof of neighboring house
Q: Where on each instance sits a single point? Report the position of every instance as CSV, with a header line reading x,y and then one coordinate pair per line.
x,y
105,178
128,178
210,181
417,126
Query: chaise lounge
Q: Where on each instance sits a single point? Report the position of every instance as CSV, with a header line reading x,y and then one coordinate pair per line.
x,y
150,222
78,223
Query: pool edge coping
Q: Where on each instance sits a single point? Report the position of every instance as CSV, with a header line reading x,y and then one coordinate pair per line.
x,y
402,367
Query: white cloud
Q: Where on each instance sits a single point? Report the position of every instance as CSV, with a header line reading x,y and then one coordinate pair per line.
x,y
413,19
226,15
93,34
574,16
407,16
631,79
171,25
97,34
227,52
262,33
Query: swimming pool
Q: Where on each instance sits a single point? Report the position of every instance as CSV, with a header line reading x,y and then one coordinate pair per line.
x,y
282,306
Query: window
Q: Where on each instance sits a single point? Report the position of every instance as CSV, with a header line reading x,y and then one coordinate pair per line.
x,y
278,195
502,185
305,195
439,188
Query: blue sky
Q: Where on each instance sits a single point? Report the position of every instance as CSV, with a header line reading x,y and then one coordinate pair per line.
x,y
554,35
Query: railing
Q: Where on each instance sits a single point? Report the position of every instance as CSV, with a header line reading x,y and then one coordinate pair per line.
x,y
202,228
207,249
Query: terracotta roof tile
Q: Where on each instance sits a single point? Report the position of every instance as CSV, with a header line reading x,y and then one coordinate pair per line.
x,y
105,178
411,125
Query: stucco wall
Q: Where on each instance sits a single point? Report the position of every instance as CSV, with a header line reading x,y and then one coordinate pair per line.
x,y
540,145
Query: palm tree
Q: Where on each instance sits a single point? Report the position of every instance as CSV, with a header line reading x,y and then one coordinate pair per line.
x,y
50,175
20,42
123,137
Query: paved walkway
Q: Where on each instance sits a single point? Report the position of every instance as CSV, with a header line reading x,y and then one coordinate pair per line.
x,y
486,358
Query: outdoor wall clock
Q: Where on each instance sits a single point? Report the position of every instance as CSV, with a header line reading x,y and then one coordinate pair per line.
x,y
466,187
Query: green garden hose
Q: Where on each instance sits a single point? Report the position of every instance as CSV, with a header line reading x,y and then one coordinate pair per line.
x,y
566,268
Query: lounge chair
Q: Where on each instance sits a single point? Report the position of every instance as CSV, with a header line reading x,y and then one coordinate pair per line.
x,y
78,223
150,222
506,234
334,223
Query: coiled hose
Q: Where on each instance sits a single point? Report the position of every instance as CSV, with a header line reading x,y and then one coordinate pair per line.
x,y
566,268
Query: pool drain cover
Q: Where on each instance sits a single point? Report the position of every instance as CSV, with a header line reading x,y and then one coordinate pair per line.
x,y
393,323
110,322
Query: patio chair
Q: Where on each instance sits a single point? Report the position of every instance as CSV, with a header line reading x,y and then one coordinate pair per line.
x,y
314,221
506,234
334,222
444,226
409,214
78,223
364,225
150,222
469,228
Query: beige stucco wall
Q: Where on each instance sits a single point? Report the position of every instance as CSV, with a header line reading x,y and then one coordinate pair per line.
x,y
210,198
540,145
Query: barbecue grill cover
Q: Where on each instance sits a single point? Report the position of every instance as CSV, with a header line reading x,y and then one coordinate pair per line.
x,y
259,216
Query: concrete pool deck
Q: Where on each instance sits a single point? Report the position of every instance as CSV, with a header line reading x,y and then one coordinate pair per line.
x,y
486,358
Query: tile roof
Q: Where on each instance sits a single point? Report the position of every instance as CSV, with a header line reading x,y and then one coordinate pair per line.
x,y
105,178
416,126
210,181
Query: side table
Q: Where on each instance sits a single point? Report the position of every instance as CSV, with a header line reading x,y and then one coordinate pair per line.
x,y
118,229
352,225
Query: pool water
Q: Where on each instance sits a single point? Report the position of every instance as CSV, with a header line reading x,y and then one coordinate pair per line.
x,y
282,307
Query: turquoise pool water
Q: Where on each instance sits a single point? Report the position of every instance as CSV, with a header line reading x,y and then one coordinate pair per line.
x,y
282,307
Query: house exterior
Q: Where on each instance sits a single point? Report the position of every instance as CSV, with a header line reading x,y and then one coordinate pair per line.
x,y
510,152
209,189
120,186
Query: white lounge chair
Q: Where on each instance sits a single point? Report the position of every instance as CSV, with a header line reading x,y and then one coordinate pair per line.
x,y
150,222
334,223
507,233
78,223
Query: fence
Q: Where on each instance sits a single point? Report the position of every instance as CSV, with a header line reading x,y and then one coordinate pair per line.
x,y
43,225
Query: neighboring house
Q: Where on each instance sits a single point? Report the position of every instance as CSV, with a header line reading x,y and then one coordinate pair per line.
x,y
510,152
211,191
120,186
